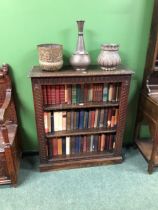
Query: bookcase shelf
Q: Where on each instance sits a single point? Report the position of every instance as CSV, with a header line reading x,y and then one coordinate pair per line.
x,y
80,132
80,116
80,106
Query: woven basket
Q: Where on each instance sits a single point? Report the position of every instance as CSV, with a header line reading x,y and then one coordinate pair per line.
x,y
50,56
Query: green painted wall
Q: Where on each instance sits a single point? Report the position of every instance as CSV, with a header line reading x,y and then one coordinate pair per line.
x,y
24,24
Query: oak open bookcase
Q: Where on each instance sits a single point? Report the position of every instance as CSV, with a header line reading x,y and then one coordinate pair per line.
x,y
80,116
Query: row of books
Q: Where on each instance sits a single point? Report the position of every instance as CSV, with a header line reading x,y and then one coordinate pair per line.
x,y
80,93
80,119
81,144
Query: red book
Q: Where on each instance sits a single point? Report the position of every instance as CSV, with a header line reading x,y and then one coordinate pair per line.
x,y
69,96
57,94
44,90
55,146
53,94
62,94
94,97
49,97
92,118
100,93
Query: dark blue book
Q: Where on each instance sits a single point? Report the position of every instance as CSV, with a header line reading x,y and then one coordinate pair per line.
x,y
76,144
81,120
52,122
63,145
79,143
77,119
105,118
95,143
98,123
85,121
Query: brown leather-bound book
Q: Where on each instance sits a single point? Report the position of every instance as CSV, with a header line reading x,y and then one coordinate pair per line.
x,y
84,143
110,143
72,145
113,118
92,118
99,143
55,146
102,143
52,94
44,91
96,118
100,92
88,143
57,94
59,146
95,92
62,94
116,117
68,120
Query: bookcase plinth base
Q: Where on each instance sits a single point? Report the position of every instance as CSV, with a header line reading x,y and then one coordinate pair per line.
x,y
53,166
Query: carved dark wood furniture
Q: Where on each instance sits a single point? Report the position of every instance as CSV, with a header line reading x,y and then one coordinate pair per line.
x,y
9,147
67,75
148,106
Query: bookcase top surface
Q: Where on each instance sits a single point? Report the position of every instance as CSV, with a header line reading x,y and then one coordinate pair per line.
x,y
67,71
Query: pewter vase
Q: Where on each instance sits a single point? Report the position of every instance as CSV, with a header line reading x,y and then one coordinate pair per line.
x,y
80,60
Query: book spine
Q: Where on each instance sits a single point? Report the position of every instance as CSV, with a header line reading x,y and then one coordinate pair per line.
x,y
64,145
69,98
67,145
59,146
84,143
74,94
55,146
102,143
101,118
63,121
62,94
50,149
46,129
92,143
57,94
68,120
52,89
105,93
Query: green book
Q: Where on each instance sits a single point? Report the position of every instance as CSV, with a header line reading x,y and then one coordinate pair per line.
x,y
74,94
105,92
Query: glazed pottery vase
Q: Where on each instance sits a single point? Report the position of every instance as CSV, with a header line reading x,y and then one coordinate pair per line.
x,y
109,58
80,60
50,56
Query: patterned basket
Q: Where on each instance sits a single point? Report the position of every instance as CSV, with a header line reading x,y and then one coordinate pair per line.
x,y
50,56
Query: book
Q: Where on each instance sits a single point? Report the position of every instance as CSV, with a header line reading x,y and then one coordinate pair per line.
x,y
49,121
102,142
101,122
72,145
81,119
68,120
62,93
59,140
105,92
91,143
73,94
78,93
57,121
96,118
86,93
63,145
105,118
90,92
67,145
63,121
69,92
57,94
52,90
45,116
84,143
55,146
52,122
